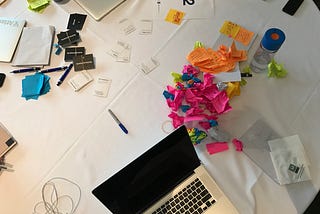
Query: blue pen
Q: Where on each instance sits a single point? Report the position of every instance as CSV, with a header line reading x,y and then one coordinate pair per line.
x,y
65,74
53,69
118,121
25,70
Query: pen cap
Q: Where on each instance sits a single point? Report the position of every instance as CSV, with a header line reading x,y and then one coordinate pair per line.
x,y
273,39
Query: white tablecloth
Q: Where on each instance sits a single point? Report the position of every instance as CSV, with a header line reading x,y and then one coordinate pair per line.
x,y
70,134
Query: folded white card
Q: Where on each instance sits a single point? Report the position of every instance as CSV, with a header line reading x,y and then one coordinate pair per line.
x,y
34,47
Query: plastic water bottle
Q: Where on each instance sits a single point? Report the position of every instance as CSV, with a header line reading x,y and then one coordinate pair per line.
x,y
269,45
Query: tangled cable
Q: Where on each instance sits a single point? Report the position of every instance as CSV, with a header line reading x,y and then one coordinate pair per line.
x,y
53,202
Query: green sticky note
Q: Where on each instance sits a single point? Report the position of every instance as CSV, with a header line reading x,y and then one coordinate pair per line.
x,y
38,5
176,77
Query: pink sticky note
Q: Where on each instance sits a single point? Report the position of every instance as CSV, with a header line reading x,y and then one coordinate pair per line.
x,y
238,144
217,147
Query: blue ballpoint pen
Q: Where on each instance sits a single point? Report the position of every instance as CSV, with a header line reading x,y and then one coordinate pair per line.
x,y
53,69
25,70
65,74
118,121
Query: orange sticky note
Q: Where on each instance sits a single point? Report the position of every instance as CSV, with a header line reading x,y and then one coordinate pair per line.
x,y
175,16
230,29
244,36
234,51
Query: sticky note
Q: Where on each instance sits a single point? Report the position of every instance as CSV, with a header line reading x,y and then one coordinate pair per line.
x,y
244,36
217,147
237,144
230,29
175,16
35,85
237,32
215,61
37,5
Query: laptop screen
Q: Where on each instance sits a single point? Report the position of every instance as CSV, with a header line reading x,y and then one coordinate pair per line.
x,y
152,175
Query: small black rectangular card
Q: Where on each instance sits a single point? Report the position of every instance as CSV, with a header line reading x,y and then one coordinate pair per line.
x,y
76,21
83,62
68,38
70,53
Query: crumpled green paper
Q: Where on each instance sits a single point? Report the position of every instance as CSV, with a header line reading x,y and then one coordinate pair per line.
x,y
276,70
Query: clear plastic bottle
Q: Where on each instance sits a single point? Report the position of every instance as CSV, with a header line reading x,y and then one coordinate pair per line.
x,y
269,45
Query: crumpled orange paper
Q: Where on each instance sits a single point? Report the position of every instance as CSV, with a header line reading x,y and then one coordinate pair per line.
x,y
222,60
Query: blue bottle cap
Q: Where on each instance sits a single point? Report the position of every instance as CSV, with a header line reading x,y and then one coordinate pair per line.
x,y
273,39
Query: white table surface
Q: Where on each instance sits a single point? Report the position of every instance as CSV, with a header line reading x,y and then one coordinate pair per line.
x,y
70,134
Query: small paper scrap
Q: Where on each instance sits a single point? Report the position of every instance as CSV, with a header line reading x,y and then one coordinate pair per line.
x,y
102,87
149,65
146,26
217,147
127,26
121,51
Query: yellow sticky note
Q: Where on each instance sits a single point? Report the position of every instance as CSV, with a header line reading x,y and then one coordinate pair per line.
x,y
230,29
175,16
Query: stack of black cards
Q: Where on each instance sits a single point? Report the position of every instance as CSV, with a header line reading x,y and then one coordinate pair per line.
x,y
71,38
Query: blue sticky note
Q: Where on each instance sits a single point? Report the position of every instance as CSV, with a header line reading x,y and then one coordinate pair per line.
x,y
46,85
35,85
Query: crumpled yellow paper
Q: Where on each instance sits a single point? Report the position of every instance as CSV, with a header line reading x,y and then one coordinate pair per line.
x,y
233,89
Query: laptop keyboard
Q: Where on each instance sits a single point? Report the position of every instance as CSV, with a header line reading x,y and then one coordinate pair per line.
x,y
193,199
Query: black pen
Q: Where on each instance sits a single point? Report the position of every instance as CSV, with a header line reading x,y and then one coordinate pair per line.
x,y
65,74
53,69
25,70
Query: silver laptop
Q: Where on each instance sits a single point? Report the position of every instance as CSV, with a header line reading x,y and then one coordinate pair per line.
x,y
99,8
168,178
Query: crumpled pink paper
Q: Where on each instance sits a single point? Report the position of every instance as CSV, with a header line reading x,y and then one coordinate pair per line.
x,y
203,98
